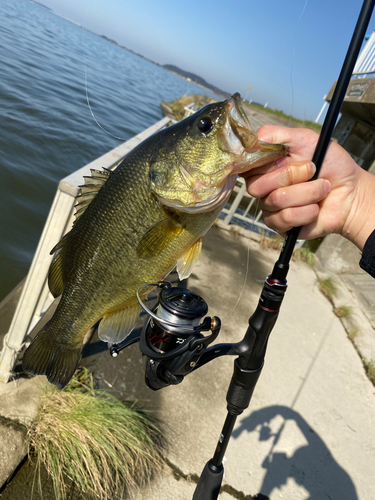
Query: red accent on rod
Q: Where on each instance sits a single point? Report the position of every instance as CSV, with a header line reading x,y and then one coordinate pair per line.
x,y
266,308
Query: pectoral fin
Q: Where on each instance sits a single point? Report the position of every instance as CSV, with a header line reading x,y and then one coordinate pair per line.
x,y
159,237
187,262
55,274
114,327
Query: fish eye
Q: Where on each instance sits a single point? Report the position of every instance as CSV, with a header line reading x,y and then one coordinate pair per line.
x,y
205,124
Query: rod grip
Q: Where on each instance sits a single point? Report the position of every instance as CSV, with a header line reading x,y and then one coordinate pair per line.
x,y
241,388
209,483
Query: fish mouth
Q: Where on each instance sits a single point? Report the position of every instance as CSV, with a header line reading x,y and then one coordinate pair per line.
x,y
258,155
236,133
238,137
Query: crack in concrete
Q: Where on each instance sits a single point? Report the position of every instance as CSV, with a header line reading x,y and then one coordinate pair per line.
x,y
14,424
226,488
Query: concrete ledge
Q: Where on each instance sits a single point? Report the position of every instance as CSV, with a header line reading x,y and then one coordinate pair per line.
x,y
19,405
12,448
20,399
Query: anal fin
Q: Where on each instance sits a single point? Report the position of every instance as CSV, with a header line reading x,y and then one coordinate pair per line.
x,y
114,327
186,263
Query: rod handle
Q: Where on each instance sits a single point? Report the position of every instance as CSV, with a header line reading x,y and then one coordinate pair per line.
x,y
209,483
241,388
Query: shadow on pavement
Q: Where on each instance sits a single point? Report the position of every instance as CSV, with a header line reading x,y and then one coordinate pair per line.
x,y
311,466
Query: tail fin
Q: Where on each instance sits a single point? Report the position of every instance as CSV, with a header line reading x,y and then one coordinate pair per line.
x,y
45,356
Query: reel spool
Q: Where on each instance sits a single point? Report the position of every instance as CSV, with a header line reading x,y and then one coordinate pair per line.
x,y
171,337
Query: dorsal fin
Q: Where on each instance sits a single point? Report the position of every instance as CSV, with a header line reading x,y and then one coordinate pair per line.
x,y
88,191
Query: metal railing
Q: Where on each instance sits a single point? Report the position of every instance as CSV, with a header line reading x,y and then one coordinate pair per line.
x,y
234,211
251,216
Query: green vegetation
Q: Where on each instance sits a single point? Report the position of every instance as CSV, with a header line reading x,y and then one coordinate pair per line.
x,y
177,106
304,254
91,439
352,334
234,229
281,114
275,242
370,370
328,287
343,311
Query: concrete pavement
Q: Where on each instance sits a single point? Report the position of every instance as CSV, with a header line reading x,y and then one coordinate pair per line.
x,y
309,432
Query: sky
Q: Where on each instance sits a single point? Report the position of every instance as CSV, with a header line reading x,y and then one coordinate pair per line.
x,y
289,52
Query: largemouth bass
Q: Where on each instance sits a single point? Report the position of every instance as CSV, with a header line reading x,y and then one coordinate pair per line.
x,y
136,224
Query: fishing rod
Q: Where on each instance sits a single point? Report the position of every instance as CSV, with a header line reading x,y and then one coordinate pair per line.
x,y
249,364
172,337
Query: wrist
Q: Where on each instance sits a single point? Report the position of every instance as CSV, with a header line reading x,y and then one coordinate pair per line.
x,y
361,219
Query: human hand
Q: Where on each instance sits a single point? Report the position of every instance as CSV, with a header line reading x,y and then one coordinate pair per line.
x,y
330,204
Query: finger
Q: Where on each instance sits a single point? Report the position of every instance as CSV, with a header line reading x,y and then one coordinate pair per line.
x,y
311,231
260,186
329,221
265,169
284,220
299,195
297,139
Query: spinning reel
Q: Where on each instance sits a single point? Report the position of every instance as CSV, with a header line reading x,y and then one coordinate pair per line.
x,y
172,337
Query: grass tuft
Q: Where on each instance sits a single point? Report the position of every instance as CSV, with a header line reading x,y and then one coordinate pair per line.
x,y
291,119
353,333
370,370
343,311
235,230
93,440
274,242
328,287
304,254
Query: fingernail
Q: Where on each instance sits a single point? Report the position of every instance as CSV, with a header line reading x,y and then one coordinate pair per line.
x,y
313,167
327,186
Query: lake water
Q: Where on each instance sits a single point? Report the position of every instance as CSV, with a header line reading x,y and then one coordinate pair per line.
x,y
46,127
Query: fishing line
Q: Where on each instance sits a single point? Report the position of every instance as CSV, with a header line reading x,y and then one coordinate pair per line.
x,y
245,279
89,105
87,87
252,225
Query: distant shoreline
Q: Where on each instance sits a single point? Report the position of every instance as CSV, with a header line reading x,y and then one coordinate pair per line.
x,y
211,88
190,81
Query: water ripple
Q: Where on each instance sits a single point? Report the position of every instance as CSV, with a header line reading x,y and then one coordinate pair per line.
x,y
47,130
